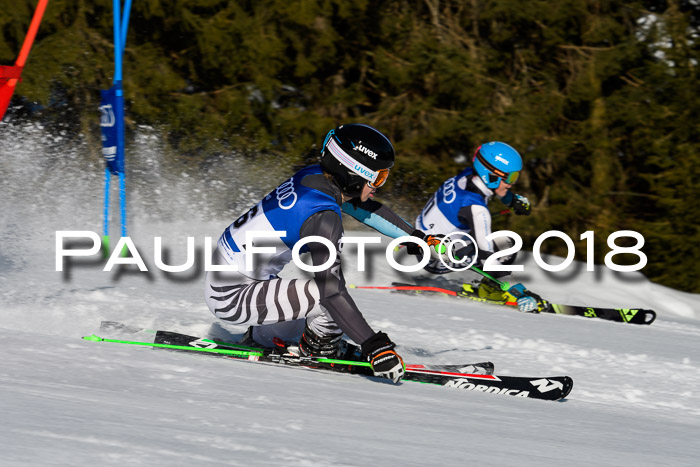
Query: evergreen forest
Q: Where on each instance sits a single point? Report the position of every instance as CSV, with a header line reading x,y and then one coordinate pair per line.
x,y
600,97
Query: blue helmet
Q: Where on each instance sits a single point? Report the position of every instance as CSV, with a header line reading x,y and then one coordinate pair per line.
x,y
497,161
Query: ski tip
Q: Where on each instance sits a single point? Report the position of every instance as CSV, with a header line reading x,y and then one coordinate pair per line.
x,y
568,386
637,315
93,338
649,316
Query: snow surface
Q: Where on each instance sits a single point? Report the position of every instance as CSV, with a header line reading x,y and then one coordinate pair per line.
x,y
66,401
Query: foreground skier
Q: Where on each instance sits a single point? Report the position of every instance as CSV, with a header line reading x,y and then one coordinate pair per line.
x,y
355,161
460,205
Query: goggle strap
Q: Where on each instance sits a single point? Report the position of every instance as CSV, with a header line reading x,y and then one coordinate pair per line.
x,y
328,136
345,159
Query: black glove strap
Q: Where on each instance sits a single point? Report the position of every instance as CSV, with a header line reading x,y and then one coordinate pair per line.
x,y
413,248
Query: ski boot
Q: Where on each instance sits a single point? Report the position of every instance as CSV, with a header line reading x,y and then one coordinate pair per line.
x,y
247,339
312,344
489,290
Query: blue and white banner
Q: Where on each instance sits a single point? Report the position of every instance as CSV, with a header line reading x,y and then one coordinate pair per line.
x,y
112,126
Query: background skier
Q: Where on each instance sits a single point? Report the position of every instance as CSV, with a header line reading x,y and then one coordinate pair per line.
x,y
461,205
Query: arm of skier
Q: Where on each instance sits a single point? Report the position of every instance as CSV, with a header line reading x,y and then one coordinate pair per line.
x,y
387,222
478,218
379,217
331,283
376,347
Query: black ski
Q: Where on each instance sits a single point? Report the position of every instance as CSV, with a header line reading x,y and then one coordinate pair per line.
x,y
545,388
282,356
173,338
621,315
548,388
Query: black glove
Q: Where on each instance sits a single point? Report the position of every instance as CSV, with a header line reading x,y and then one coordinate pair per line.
x,y
520,205
543,306
412,248
386,363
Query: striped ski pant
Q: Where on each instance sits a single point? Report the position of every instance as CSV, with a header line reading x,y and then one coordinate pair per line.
x,y
238,299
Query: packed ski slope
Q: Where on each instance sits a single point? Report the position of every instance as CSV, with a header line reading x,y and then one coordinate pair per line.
x,y
66,401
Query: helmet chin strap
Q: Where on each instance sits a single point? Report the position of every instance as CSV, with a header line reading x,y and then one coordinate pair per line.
x,y
352,195
343,195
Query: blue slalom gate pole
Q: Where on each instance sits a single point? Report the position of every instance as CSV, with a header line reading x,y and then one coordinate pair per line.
x,y
105,224
112,121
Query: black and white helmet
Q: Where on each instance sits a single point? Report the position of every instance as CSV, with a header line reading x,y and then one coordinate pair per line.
x,y
356,154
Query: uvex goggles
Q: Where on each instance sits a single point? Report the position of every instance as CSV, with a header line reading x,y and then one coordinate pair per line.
x,y
508,177
375,178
